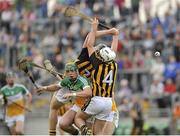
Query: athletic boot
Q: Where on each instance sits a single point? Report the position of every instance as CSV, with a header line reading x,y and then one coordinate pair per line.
x,y
86,131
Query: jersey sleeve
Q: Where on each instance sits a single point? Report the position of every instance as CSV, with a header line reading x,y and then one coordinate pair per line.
x,y
64,82
83,56
95,61
24,89
86,82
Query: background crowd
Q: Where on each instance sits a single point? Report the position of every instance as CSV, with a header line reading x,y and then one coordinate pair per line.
x,y
26,30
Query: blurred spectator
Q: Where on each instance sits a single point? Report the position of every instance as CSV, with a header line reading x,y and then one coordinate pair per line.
x,y
170,69
6,17
136,114
135,6
121,5
169,89
155,21
42,8
159,36
127,63
148,60
59,62
124,107
138,61
147,6
2,74
178,11
5,4
157,91
70,54
178,81
158,68
146,105
176,116
177,44
124,90
149,42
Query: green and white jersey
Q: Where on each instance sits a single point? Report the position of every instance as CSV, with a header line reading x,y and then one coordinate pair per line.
x,y
14,94
78,85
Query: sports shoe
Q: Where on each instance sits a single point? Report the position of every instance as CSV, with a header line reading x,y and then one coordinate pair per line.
x,y
86,131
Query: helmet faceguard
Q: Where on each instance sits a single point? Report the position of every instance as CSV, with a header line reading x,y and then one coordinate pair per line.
x,y
105,53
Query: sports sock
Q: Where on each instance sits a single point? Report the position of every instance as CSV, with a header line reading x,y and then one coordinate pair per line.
x,y
52,132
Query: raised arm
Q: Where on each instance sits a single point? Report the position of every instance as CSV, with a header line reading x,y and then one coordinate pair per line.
x,y
92,37
112,31
85,41
101,33
115,40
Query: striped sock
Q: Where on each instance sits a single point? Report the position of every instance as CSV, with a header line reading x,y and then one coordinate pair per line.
x,y
52,132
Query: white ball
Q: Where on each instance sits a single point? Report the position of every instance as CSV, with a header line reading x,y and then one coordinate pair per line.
x,y
157,54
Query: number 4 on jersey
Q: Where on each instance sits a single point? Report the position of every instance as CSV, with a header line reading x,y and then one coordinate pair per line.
x,y
109,78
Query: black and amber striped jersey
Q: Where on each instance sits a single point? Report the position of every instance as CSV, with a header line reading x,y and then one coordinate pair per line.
x,y
62,110
83,63
103,76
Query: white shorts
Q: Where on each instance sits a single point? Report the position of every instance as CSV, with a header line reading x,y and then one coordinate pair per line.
x,y
100,107
115,116
12,120
59,95
75,108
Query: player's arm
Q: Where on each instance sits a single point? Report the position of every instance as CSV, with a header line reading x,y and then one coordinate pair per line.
x,y
86,92
111,31
114,40
92,36
28,99
49,88
85,41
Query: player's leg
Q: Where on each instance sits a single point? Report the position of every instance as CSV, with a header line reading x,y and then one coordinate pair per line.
x,y
12,130
80,121
11,125
98,126
19,125
110,126
90,122
61,132
104,119
66,122
54,105
19,128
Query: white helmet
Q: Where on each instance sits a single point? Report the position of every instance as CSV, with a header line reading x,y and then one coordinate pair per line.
x,y
107,54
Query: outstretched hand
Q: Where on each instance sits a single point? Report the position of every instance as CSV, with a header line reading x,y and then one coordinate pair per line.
x,y
40,90
94,24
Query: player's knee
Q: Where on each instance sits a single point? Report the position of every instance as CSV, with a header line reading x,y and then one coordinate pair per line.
x,y
63,125
54,105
